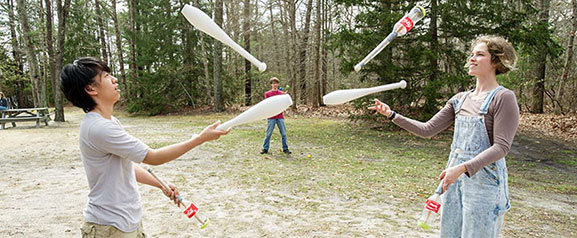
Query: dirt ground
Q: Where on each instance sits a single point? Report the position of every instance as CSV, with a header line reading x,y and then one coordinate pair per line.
x,y
44,187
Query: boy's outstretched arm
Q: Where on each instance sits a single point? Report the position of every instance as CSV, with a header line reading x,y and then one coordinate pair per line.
x,y
171,152
143,176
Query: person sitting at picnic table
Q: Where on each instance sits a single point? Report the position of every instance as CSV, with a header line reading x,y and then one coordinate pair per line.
x,y
3,102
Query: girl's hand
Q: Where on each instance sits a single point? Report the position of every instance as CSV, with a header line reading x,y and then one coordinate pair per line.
x,y
450,175
382,108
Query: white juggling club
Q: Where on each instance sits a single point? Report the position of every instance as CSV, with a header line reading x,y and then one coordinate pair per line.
x,y
201,21
343,96
401,27
262,110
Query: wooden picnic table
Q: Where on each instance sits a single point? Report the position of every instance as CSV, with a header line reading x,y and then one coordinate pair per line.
x,y
25,114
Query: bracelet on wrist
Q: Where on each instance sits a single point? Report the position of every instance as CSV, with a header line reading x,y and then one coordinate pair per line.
x,y
392,116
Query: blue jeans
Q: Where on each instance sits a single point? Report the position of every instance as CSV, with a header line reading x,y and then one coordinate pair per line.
x,y
270,123
2,108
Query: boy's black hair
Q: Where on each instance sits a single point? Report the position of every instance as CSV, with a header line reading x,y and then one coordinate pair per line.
x,y
76,76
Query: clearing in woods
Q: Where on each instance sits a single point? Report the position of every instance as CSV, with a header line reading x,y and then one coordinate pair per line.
x,y
357,182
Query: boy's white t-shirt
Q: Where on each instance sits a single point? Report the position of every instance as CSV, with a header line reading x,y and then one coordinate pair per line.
x,y
108,153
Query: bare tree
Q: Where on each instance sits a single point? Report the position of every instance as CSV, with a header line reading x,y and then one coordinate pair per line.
x,y
247,66
568,59
16,52
287,47
30,54
302,69
218,97
317,50
234,28
42,55
52,64
133,33
540,64
205,64
100,22
119,48
324,69
434,44
274,41
62,11
290,7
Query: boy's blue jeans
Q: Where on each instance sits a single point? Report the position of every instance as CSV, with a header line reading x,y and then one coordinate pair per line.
x,y
270,123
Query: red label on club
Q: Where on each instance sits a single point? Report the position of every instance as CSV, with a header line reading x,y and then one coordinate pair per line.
x,y
191,210
432,206
407,23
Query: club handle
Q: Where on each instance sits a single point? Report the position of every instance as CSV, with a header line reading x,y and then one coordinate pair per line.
x,y
226,125
158,179
376,51
400,84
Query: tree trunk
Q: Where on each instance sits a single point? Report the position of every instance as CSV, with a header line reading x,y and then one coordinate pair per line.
x,y
62,15
317,50
568,59
133,33
205,64
291,8
51,57
302,66
285,35
16,52
324,68
247,66
113,68
188,69
541,62
100,23
218,97
388,51
433,62
43,58
119,48
62,11
275,56
433,44
30,54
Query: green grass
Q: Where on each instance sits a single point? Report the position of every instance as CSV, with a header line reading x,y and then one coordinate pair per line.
x,y
349,161
566,188
569,161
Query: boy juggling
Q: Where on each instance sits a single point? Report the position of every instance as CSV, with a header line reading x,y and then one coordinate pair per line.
x,y
109,153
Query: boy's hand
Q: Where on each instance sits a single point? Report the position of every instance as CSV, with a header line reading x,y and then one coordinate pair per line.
x,y
211,133
382,108
172,193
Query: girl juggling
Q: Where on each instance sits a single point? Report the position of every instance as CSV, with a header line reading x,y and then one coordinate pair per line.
x,y
486,118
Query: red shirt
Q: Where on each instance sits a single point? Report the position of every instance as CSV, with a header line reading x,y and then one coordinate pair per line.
x,y
274,93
